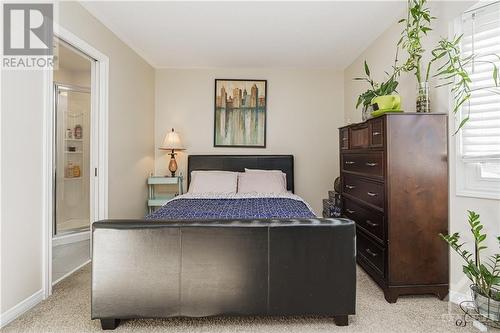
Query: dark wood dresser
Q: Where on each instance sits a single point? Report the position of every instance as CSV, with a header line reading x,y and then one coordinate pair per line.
x,y
394,175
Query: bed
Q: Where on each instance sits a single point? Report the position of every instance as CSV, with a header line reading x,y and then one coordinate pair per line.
x,y
239,254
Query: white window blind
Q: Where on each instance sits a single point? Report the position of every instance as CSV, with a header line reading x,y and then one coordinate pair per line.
x,y
480,137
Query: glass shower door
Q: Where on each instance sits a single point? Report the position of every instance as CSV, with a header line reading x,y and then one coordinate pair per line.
x,y
72,146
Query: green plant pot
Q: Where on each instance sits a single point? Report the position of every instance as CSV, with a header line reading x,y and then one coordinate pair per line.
x,y
386,102
486,306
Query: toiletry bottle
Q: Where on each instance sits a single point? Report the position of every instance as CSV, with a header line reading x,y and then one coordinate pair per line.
x,y
69,170
78,132
76,171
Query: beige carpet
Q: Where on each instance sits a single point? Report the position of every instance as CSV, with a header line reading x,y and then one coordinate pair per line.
x,y
68,310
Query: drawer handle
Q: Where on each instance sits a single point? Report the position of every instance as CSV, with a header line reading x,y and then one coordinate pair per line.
x,y
349,162
371,224
350,211
344,139
350,187
376,133
371,164
370,252
371,194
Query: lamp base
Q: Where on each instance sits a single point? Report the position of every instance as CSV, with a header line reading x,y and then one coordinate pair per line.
x,y
172,165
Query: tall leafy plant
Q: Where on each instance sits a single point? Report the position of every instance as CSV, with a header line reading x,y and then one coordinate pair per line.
x,y
453,70
416,25
485,275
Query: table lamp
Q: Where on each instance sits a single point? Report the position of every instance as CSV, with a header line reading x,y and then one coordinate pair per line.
x,y
172,142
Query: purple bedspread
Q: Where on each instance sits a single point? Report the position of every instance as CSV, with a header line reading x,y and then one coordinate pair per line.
x,y
248,208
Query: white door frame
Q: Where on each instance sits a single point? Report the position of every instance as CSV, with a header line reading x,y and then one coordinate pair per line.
x,y
98,147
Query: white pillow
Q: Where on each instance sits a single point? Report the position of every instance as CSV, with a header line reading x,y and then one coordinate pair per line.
x,y
283,175
221,182
260,182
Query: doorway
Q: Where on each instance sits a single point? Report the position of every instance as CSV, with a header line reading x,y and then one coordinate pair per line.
x,y
72,138
95,167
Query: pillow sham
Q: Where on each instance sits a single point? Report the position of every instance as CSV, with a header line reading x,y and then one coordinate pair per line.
x,y
221,182
283,175
261,182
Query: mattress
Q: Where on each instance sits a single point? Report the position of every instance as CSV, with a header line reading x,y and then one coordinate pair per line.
x,y
233,206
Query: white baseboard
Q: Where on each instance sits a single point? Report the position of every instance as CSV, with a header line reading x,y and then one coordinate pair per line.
x,y
70,238
457,298
17,310
69,273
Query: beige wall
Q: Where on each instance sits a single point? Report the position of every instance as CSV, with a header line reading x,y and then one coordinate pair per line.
x,y
304,111
131,142
21,191
379,60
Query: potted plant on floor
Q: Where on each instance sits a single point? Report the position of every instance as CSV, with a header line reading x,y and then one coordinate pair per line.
x,y
485,275
453,67
376,89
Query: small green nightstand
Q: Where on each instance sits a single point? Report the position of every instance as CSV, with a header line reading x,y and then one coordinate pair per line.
x,y
155,200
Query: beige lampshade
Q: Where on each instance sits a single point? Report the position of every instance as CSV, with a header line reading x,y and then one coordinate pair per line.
x,y
172,141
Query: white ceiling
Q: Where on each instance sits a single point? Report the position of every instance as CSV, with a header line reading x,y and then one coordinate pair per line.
x,y
248,34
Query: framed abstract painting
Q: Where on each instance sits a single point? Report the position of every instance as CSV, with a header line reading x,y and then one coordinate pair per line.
x,y
240,113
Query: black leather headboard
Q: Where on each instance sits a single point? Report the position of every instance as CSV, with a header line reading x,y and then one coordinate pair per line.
x,y
238,163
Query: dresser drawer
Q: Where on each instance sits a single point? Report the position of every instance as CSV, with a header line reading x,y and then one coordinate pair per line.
x,y
370,164
363,189
344,138
377,133
360,136
368,219
370,251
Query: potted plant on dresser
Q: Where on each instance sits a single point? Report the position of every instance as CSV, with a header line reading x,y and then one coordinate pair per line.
x,y
484,274
454,67
376,89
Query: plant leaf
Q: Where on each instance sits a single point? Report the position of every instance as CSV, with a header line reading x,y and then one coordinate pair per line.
x,y
462,123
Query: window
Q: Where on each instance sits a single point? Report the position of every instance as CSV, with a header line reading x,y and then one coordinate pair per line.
x,y
479,148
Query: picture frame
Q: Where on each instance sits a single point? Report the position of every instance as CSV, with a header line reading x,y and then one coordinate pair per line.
x,y
240,113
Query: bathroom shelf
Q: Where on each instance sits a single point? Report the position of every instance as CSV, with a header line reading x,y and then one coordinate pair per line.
x,y
77,140
73,178
74,152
